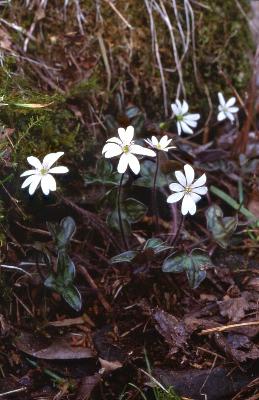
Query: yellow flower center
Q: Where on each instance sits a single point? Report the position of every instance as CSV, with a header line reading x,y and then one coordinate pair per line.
x,y
188,190
158,146
126,149
44,171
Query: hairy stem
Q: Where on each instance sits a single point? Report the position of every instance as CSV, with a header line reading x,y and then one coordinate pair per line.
x,y
119,213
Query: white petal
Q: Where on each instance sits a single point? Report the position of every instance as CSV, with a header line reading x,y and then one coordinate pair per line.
x,y
134,163
35,162
175,109
221,116
230,116
199,182
48,183
129,133
200,190
173,198
179,128
149,142
180,177
59,170
164,140
154,140
230,102
185,107
29,172
143,151
190,122
114,140
176,187
189,174
126,135
28,181
122,134
185,127
221,99
233,109
195,197
112,149
51,158
33,186
188,205
179,105
192,117
123,163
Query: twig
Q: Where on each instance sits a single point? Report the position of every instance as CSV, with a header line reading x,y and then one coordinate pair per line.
x,y
227,327
93,285
22,389
119,14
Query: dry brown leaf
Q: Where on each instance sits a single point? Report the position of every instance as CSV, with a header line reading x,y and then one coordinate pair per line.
x,y
109,366
171,329
88,383
58,348
233,308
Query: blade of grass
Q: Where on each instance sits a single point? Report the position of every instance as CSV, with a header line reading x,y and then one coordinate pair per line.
x,y
233,203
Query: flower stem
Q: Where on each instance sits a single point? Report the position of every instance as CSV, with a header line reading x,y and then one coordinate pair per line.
x,y
119,213
174,241
154,195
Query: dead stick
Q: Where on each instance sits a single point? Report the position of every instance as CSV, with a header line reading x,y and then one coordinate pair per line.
x,y
22,389
93,285
226,327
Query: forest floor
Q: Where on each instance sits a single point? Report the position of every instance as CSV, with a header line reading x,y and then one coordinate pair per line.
x,y
141,333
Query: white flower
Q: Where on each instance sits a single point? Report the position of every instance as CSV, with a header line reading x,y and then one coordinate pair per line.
x,y
226,109
42,173
187,189
124,147
185,121
162,144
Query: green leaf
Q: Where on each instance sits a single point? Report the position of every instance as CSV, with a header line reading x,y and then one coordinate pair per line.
x,y
104,167
220,227
132,112
65,269
175,263
50,282
195,277
153,243
73,297
127,256
68,228
197,264
104,174
157,245
194,264
147,176
112,221
62,233
134,210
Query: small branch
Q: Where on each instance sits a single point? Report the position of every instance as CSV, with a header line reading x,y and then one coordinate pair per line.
x,y
119,14
227,327
83,271
22,389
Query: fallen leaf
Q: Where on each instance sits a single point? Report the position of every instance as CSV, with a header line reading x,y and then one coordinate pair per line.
x,y
109,366
58,348
233,308
173,331
87,385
